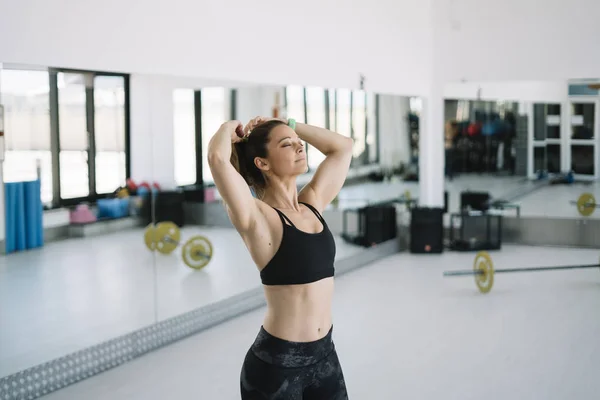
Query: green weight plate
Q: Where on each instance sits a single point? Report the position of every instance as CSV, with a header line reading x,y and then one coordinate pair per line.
x,y
197,252
149,237
586,204
484,279
167,237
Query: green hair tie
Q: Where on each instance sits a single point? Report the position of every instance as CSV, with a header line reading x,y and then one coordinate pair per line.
x,y
292,123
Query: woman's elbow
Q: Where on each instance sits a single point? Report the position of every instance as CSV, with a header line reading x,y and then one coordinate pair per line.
x,y
348,144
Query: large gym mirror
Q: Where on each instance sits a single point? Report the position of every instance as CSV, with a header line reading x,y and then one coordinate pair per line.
x,y
73,273
529,148
209,262
112,222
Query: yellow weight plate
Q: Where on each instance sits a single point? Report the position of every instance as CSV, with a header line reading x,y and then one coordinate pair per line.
x,y
197,252
586,204
485,279
407,194
167,237
149,237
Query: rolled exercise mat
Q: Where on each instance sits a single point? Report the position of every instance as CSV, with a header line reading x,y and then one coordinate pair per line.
x,y
34,228
15,217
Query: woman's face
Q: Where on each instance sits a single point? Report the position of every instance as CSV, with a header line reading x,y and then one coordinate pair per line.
x,y
286,156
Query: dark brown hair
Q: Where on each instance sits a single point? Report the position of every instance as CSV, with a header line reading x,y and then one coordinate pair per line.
x,y
244,153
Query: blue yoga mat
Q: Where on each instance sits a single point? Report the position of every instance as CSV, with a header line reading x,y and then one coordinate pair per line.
x,y
24,216
15,216
34,229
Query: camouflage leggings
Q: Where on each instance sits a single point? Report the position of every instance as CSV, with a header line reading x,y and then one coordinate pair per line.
x,y
276,369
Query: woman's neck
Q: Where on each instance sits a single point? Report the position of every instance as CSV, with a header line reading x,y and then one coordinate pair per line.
x,y
283,195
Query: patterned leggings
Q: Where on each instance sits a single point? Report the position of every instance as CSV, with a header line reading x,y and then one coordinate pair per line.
x,y
277,369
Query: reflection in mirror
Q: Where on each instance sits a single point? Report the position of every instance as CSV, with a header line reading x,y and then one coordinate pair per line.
x,y
74,273
185,282
530,147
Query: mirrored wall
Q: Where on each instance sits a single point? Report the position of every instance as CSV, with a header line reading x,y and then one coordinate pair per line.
x,y
110,219
531,146
112,223
72,274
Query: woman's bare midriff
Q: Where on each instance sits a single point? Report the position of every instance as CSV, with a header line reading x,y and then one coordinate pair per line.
x,y
299,313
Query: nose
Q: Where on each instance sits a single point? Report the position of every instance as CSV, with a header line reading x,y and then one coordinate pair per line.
x,y
299,146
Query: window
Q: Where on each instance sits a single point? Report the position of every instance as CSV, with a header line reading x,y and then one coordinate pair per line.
x,y
73,135
462,110
71,125
372,134
359,125
349,113
582,120
109,132
316,115
184,136
294,100
92,126
342,117
214,106
416,106
26,100
332,109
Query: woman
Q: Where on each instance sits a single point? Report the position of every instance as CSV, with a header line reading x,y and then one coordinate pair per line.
x,y
293,356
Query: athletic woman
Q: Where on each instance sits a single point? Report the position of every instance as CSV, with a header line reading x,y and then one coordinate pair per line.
x,y
293,355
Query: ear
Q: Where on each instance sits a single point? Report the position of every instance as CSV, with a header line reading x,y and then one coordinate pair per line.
x,y
262,164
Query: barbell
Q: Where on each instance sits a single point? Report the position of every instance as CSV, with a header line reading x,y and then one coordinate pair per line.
x,y
166,236
483,271
586,204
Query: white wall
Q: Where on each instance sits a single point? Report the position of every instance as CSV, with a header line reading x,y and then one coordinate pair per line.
x,y
517,39
535,91
313,42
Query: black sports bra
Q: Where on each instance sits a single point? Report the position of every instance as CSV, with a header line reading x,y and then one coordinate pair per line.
x,y
302,257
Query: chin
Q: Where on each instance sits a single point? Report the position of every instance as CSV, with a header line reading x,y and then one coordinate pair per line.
x,y
300,167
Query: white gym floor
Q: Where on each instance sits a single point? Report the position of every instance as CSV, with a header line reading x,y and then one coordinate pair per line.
x,y
403,331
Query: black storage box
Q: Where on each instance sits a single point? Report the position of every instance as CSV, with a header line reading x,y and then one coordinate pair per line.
x,y
193,193
168,206
479,201
376,224
475,231
427,230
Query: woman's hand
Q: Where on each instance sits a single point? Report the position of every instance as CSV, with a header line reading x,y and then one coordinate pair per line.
x,y
254,122
234,129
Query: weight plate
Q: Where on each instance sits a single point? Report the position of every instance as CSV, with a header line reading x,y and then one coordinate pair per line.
x,y
406,195
149,237
197,252
167,237
586,204
484,279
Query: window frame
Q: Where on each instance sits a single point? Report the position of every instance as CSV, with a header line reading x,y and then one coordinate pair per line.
x,y
57,200
53,101
198,136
